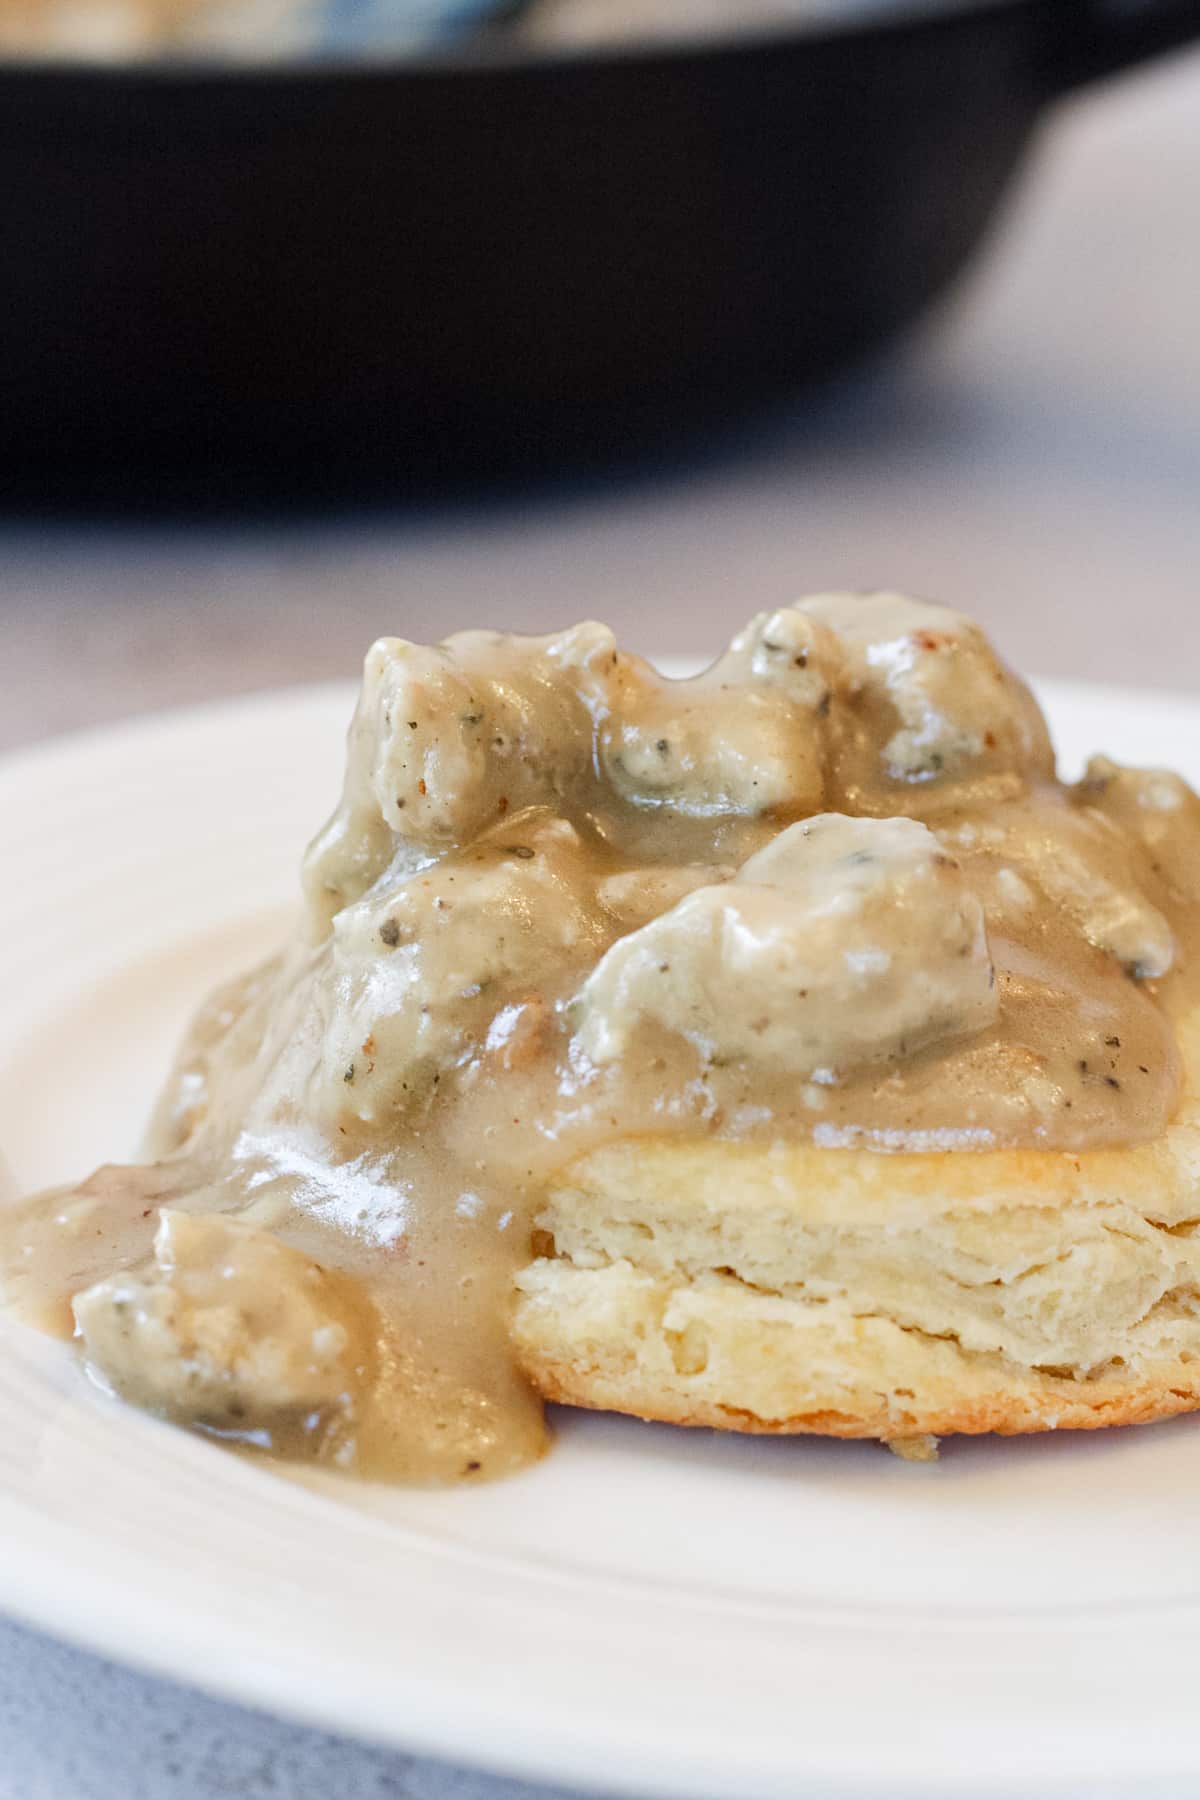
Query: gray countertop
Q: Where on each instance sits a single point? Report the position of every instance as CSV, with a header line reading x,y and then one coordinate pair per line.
x,y
74,1728
1035,458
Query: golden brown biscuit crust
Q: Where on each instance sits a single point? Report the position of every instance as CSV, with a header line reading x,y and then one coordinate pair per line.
x,y
1004,1413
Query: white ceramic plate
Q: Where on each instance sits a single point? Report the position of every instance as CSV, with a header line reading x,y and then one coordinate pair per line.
x,y
651,1610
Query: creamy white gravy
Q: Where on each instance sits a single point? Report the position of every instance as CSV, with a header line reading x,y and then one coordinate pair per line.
x,y
830,890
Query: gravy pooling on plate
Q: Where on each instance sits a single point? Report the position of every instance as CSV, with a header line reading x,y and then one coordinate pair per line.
x,y
829,891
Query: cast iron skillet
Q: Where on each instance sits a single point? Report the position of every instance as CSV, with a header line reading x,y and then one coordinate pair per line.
x,y
273,274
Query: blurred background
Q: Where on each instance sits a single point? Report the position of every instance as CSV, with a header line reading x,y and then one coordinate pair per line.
x,y
330,320
661,366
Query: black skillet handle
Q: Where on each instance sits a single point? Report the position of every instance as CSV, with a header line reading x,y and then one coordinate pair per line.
x,y
1095,38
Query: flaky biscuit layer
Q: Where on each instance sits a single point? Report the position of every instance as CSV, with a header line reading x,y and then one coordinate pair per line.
x,y
791,1288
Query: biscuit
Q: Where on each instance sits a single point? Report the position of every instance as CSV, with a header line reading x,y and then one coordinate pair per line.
x,y
850,1293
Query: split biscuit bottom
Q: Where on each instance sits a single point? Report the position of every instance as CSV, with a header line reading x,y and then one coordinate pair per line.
x,y
857,1294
